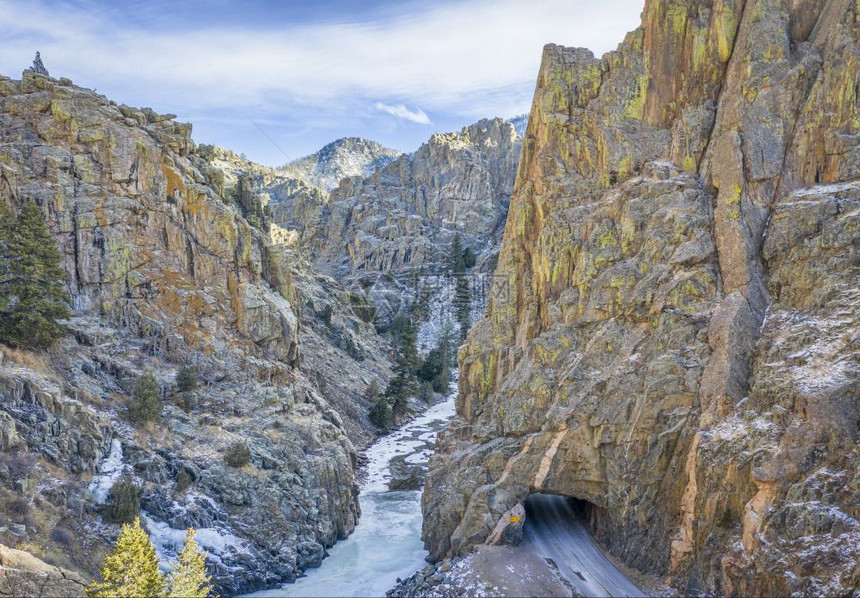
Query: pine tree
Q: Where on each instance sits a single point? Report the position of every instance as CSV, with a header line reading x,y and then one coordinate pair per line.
x,y
380,413
123,501
436,367
7,225
32,281
189,578
187,379
147,403
404,383
131,568
456,262
409,347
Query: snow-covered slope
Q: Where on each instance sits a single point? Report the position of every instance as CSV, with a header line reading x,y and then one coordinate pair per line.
x,y
520,122
347,157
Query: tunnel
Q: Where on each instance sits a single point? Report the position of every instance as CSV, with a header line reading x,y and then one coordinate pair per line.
x,y
557,530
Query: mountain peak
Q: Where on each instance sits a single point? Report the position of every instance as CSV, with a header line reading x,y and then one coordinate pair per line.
x,y
342,158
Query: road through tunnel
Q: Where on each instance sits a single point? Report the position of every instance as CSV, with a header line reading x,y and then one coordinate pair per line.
x,y
556,530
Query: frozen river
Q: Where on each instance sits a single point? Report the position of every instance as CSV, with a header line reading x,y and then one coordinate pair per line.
x,y
386,543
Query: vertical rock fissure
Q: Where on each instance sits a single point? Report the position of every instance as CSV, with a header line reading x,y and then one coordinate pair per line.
x,y
705,151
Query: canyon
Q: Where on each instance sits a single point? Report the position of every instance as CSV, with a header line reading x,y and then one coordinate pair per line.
x,y
185,256
669,249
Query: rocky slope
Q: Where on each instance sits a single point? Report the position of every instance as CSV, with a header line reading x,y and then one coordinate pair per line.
x,y
23,575
672,332
344,158
379,234
402,216
165,272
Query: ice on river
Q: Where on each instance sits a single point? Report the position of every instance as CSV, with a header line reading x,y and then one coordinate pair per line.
x,y
386,543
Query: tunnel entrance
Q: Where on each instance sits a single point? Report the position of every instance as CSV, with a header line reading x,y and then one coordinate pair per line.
x,y
576,508
557,530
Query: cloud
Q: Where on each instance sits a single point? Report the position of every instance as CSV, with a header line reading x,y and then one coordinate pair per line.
x,y
452,57
401,111
458,60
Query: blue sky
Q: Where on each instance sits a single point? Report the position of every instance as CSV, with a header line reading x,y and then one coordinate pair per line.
x,y
306,73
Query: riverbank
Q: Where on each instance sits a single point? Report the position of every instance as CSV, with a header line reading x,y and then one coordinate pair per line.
x,y
386,544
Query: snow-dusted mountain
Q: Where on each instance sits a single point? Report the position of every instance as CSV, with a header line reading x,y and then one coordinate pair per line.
x,y
347,157
520,122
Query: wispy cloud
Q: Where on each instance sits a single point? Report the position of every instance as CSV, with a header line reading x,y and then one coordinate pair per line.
x,y
465,59
401,111
440,59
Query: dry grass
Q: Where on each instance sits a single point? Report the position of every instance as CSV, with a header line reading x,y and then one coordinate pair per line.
x,y
33,548
22,357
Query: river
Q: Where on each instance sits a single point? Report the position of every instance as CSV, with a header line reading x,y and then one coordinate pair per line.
x,y
386,543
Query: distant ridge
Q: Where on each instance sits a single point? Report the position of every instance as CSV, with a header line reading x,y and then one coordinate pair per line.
x,y
520,122
346,157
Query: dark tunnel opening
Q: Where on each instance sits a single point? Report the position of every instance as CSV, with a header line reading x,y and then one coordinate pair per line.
x,y
579,509
558,529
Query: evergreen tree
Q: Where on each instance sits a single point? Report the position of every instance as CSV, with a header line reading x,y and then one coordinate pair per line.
x,y
187,379
409,347
123,501
189,578
148,402
456,263
436,367
462,295
131,568
32,281
404,383
380,413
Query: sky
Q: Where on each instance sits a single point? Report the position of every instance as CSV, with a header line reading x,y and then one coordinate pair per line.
x,y
277,80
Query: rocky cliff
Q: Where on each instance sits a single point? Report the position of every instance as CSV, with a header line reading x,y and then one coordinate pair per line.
x,y
672,332
168,267
377,234
23,575
402,216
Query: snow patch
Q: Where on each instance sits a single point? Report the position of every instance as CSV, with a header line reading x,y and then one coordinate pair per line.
x,y
826,189
401,442
112,467
217,542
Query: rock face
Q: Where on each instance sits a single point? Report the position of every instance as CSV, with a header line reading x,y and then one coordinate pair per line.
x,y
24,575
169,270
379,235
344,158
672,332
404,216
377,231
